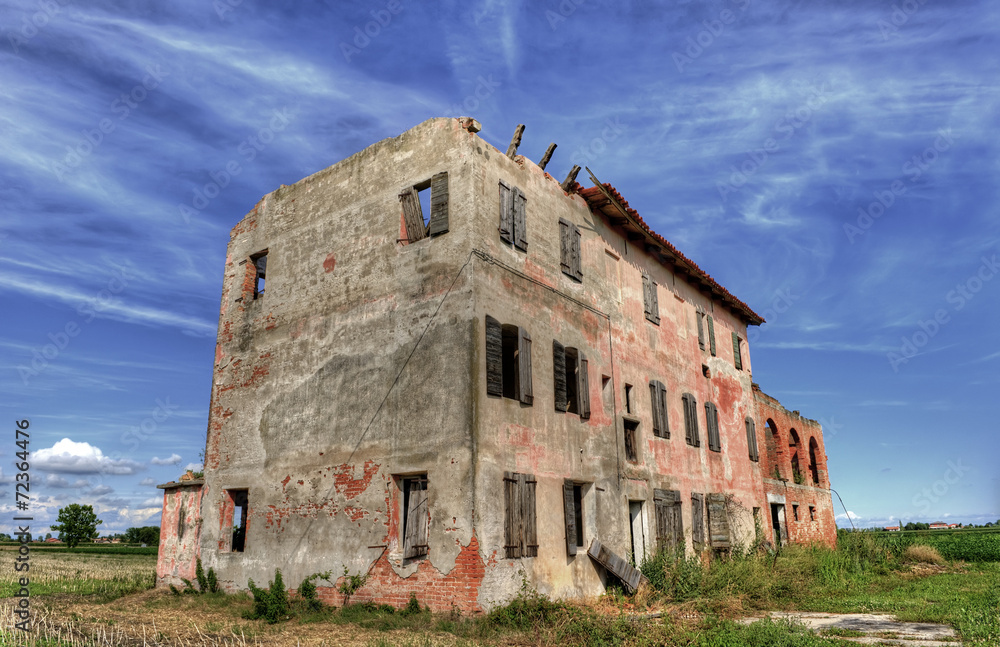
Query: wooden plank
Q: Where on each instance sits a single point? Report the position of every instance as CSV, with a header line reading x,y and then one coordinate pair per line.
x,y
571,178
413,217
439,204
515,141
520,219
718,521
548,155
628,574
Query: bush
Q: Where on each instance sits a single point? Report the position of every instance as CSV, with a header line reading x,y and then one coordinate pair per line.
x,y
307,591
269,604
922,554
412,606
672,574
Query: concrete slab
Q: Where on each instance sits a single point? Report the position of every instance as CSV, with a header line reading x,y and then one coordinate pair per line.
x,y
882,629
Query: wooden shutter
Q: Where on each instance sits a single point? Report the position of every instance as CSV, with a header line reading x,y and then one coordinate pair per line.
x,y
506,213
718,521
658,398
526,483
699,317
628,574
494,357
712,424
649,299
737,358
711,334
664,418
439,204
415,532
698,520
656,409
565,260
520,220
692,405
512,516
524,366
413,217
559,375
576,265
583,387
654,298
669,526
569,509
752,439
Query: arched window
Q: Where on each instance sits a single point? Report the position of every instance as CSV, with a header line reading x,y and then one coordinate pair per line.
x,y
813,462
793,452
773,448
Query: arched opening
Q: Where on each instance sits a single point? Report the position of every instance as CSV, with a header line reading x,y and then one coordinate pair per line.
x,y
813,461
793,451
773,448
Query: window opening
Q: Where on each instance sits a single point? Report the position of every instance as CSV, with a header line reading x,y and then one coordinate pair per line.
x,y
631,444
259,261
415,517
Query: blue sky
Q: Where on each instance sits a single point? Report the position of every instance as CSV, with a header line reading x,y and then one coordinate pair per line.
x,y
833,164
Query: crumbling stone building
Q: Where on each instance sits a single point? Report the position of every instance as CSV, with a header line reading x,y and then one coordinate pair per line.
x,y
439,366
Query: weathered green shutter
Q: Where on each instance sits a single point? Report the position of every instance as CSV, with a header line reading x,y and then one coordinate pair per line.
x,y
752,439
494,357
737,358
413,216
569,509
439,204
711,334
712,423
583,387
525,393
506,213
559,374
520,220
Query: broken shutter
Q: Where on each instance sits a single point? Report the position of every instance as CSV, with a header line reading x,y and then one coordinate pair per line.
x,y
628,574
712,423
669,527
577,257
439,204
512,516
526,483
494,357
506,213
413,217
559,374
520,224
649,298
752,439
718,521
524,366
711,334
415,533
699,317
583,387
569,508
737,359
565,231
698,520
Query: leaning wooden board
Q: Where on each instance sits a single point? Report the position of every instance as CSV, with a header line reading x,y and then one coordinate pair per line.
x,y
628,574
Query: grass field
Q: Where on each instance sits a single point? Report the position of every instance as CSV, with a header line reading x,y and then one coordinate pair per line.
x,y
87,600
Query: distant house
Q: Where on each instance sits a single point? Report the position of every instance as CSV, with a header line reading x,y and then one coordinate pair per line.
x,y
893,528
53,540
940,525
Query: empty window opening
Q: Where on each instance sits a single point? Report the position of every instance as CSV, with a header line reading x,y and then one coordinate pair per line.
x,y
571,380
513,222
415,516
573,510
772,446
793,451
508,361
631,441
778,524
795,511
259,261
520,535
238,504
812,513
628,398
691,434
425,208
705,371
813,460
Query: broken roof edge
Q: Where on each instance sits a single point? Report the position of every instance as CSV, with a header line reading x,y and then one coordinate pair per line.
x,y
176,484
668,255
772,401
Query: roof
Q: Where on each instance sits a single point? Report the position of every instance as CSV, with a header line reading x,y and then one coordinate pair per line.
x,y
637,229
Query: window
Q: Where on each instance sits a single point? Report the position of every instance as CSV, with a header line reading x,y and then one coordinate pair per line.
x,y
705,371
698,521
416,225
571,382
628,398
573,509
718,521
752,439
520,537
812,513
795,511
569,243
508,361
737,357
631,446
669,524
650,299
259,263
699,317
512,219
235,517
690,420
813,460
415,516
658,398
712,423
711,334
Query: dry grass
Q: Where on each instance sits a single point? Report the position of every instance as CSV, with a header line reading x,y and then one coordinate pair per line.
x,y
923,555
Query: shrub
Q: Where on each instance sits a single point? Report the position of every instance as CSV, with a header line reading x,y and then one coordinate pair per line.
x,y
269,604
351,584
412,607
672,574
307,591
923,554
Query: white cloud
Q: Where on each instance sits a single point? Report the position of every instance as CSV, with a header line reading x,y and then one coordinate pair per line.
x,y
55,481
173,460
194,467
849,515
152,501
147,481
101,489
69,457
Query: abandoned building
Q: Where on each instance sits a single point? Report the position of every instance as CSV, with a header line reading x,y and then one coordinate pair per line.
x,y
439,366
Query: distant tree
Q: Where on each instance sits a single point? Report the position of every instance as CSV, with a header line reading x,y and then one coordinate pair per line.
x,y
77,523
5,537
149,535
48,536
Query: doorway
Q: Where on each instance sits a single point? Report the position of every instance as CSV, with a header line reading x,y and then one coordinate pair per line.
x,y
778,527
637,524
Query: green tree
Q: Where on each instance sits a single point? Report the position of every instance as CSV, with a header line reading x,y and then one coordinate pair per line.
x,y
77,523
149,535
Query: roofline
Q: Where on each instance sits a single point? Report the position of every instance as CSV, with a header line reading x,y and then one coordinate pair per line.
x,y
605,200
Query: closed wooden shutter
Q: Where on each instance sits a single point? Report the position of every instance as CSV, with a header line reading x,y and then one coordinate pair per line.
x,y
712,424
564,247
520,220
569,509
737,357
415,532
527,484
583,387
576,263
525,393
559,374
669,524
691,420
752,440
698,520
439,204
413,216
711,334
494,357
718,521
506,213
654,298
658,398
512,516
699,317
655,408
